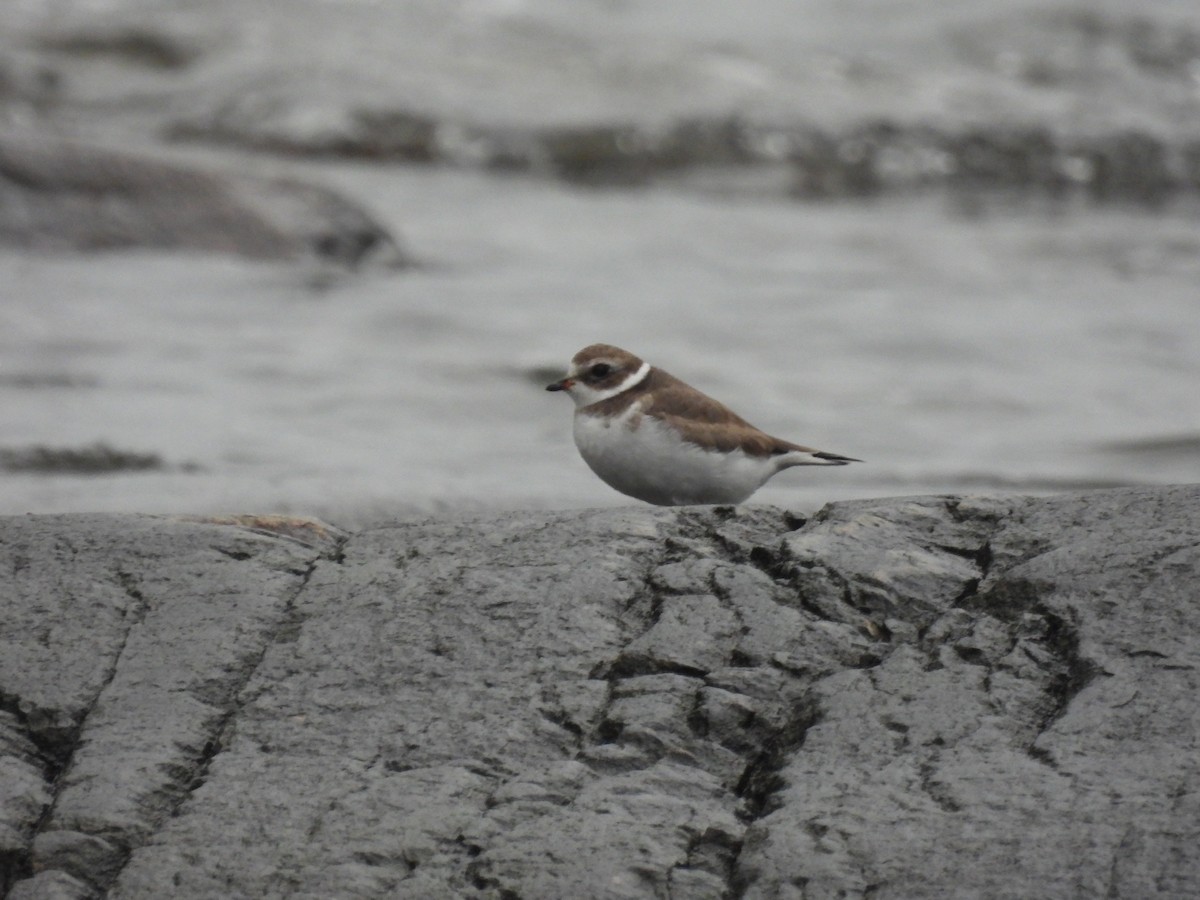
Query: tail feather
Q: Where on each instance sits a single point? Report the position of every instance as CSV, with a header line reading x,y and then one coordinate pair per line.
x,y
835,459
805,456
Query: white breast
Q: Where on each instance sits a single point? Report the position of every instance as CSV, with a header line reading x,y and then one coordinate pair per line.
x,y
641,457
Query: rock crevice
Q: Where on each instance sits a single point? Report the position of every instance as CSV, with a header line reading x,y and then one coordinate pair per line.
x,y
896,698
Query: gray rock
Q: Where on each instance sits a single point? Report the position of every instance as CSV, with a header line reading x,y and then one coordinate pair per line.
x,y
920,697
125,643
51,885
63,195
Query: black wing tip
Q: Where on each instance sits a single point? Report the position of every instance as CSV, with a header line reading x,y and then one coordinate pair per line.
x,y
835,458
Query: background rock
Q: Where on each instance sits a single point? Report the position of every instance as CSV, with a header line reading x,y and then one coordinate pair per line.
x,y
57,194
916,697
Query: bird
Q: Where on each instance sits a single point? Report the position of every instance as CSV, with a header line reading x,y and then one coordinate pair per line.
x,y
656,438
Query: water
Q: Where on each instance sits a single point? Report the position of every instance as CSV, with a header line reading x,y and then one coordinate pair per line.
x,y
955,343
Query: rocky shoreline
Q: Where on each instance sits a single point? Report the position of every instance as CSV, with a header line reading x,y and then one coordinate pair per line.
x,y
1056,107
905,697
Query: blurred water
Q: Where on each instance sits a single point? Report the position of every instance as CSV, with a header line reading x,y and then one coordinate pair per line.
x,y
988,344
1014,349
1104,63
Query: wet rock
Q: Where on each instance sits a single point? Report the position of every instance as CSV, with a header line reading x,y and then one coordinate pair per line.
x,y
90,460
1041,101
347,116
129,44
1030,160
60,195
915,697
864,160
269,115
1163,49
53,885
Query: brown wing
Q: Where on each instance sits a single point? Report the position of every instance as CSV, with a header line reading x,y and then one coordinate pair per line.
x,y
741,435
702,420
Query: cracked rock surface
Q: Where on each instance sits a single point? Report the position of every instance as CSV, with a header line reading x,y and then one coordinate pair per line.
x,y
912,697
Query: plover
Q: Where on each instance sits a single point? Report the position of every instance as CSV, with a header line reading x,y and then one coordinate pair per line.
x,y
653,437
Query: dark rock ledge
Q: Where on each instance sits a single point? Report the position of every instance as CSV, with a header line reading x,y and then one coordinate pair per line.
x,y
919,697
60,195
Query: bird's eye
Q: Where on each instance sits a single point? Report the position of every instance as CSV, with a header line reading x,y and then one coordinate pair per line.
x,y
599,370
